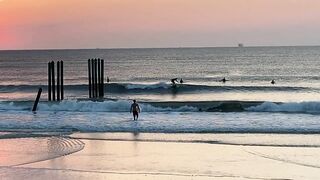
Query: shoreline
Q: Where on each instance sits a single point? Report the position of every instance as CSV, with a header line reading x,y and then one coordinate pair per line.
x,y
236,139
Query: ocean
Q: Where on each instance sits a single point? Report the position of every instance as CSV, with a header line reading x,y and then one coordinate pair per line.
x,y
246,103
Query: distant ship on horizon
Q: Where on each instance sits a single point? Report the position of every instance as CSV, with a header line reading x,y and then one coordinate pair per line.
x,y
240,45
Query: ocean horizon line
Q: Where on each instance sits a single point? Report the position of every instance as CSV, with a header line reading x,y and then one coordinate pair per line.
x,y
172,47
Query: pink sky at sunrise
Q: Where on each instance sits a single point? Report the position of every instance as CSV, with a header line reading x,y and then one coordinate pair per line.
x,y
41,24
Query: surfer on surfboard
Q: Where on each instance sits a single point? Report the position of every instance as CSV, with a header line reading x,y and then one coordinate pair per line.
x,y
174,80
273,81
223,80
135,110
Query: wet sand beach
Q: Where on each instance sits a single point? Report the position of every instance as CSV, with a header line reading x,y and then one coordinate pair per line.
x,y
70,158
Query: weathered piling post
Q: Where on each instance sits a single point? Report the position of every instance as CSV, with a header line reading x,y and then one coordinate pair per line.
x,y
53,82
49,81
35,105
61,81
58,81
102,79
96,77
93,86
99,79
89,77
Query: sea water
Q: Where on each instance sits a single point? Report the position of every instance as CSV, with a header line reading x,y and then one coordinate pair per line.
x,y
246,103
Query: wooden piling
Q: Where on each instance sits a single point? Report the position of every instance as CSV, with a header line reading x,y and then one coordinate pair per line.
x,y
96,77
49,81
89,77
99,79
61,81
92,75
58,81
102,78
35,105
53,82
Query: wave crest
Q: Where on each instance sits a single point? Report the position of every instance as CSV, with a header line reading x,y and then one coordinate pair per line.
x,y
124,106
292,107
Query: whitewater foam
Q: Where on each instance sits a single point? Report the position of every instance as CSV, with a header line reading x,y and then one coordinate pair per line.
x,y
124,106
12,106
105,106
292,107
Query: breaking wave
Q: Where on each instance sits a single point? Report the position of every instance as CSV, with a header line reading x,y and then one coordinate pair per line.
x,y
89,106
292,107
124,106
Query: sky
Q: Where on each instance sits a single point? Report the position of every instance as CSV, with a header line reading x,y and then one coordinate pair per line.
x,y
72,24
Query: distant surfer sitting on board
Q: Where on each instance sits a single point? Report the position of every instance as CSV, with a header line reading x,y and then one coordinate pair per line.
x,y
273,81
135,110
223,80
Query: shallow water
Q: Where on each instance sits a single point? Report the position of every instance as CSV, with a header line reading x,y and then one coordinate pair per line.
x,y
169,122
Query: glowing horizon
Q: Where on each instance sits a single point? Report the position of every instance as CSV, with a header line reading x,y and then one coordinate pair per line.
x,y
36,24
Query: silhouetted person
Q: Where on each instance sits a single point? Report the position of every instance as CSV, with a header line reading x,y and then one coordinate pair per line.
x,y
181,81
273,81
174,80
135,110
223,80
108,80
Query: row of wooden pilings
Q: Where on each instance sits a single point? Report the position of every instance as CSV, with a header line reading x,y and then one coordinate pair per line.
x,y
96,78
56,90
54,95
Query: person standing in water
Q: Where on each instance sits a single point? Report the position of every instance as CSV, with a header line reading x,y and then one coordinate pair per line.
x,y
135,110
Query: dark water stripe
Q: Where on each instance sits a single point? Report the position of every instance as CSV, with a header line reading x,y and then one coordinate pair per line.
x,y
159,88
